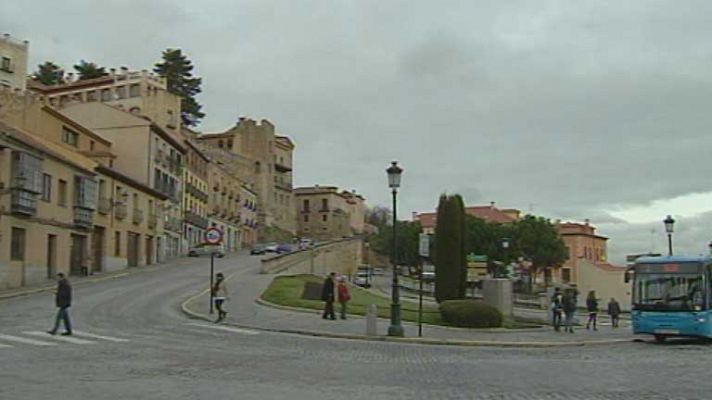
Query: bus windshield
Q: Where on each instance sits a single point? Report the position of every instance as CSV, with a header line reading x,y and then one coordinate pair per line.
x,y
669,287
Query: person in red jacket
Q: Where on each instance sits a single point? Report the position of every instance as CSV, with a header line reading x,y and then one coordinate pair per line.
x,y
344,295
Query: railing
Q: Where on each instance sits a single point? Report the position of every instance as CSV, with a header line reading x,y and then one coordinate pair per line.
x,y
121,211
104,205
173,224
83,217
137,216
195,219
23,202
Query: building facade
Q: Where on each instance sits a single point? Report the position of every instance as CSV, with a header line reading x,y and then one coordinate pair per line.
x,y
488,213
195,196
13,62
269,172
225,205
583,245
326,213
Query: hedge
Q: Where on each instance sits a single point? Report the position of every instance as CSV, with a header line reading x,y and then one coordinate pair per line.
x,y
470,314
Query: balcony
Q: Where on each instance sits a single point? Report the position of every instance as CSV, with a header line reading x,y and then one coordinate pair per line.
x,y
152,221
137,216
83,217
173,224
104,205
121,211
23,202
279,167
284,186
195,219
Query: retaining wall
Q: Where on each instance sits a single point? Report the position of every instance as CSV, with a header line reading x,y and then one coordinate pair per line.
x,y
341,256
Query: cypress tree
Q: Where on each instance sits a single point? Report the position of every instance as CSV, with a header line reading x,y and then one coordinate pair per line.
x,y
450,261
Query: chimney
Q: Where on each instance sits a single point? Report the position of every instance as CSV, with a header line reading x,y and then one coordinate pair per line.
x,y
492,203
415,215
587,221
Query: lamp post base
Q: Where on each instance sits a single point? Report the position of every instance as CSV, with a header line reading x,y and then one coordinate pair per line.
x,y
395,329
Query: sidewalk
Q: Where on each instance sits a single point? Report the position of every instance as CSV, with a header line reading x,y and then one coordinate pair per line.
x,y
247,285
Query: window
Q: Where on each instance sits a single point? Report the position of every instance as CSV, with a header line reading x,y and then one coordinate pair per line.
x,y
117,244
17,244
306,218
84,192
6,64
229,143
121,92
220,144
70,137
46,187
566,275
324,217
135,90
106,95
324,204
91,145
306,206
91,95
62,200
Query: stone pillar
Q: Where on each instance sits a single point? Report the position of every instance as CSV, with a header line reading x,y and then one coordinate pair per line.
x,y
498,293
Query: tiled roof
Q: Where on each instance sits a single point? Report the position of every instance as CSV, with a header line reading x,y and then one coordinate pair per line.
x,y
487,213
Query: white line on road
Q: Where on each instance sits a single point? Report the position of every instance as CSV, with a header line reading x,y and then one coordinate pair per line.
x,y
224,328
3,346
18,339
67,339
102,337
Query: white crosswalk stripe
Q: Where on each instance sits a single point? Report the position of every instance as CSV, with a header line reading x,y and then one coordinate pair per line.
x,y
5,346
24,340
224,328
101,337
68,339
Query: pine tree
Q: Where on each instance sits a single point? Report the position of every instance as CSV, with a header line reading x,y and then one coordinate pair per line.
x,y
89,70
49,73
450,261
177,69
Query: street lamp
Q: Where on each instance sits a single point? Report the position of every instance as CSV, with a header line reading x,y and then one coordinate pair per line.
x,y
505,261
394,177
669,223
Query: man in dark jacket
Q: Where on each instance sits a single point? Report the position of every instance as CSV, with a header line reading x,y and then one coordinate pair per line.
x,y
63,300
327,295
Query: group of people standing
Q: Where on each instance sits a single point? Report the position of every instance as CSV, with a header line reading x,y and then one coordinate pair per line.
x,y
329,293
564,304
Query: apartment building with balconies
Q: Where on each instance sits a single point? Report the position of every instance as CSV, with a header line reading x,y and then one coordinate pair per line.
x,y
13,62
269,157
195,195
225,205
146,153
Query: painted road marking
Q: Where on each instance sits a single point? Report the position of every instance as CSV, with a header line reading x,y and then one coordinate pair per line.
x,y
224,328
67,339
3,346
18,339
102,337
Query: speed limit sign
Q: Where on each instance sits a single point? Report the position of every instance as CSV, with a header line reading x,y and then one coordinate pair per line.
x,y
213,236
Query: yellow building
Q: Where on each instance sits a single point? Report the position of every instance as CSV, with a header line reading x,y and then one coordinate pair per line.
x,y
195,195
324,212
13,62
225,204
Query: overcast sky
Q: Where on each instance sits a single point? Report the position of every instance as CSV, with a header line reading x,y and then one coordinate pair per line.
x,y
571,110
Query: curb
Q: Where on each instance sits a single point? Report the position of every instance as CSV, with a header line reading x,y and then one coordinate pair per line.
x,y
423,341
28,292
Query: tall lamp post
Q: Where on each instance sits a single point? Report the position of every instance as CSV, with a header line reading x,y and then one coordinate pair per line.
x,y
505,261
669,224
395,329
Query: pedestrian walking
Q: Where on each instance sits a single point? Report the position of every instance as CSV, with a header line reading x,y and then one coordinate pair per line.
x,y
592,307
568,304
63,300
614,310
219,296
343,295
327,295
556,309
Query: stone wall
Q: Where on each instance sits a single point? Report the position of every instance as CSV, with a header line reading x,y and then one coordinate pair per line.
x,y
340,256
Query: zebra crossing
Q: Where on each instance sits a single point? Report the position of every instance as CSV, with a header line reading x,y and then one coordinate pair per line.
x,y
38,338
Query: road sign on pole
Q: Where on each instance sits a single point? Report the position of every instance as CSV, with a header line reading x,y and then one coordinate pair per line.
x,y
424,245
213,236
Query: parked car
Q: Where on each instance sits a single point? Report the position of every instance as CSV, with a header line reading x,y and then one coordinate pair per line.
x,y
271,247
204,249
378,271
362,278
283,248
258,249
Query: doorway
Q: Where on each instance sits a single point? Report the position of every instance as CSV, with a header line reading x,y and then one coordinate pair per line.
x,y
133,244
77,257
98,262
51,256
149,250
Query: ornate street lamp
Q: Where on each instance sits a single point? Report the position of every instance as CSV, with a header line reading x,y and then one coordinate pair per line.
x,y
505,261
394,177
669,224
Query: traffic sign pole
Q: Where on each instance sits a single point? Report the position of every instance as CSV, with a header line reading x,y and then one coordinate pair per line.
x,y
212,269
213,236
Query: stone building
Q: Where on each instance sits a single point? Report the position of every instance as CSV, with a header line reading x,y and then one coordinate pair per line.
x,y
325,213
269,172
13,62
488,213
146,153
225,205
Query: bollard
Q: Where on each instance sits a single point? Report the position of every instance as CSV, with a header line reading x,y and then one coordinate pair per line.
x,y
371,319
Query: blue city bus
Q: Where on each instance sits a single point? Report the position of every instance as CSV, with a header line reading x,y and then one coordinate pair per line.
x,y
671,297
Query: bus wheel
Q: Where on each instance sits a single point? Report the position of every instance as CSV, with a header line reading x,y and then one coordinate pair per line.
x,y
659,338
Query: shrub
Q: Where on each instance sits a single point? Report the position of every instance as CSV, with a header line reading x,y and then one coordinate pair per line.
x,y
470,314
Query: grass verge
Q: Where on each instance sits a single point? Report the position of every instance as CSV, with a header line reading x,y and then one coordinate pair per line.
x,y
287,291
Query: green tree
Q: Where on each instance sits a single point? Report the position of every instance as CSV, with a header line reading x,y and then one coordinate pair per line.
x,y
89,70
485,238
49,73
449,254
177,69
536,239
407,237
378,216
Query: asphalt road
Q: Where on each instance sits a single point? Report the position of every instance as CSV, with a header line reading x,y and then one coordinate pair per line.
x,y
136,344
